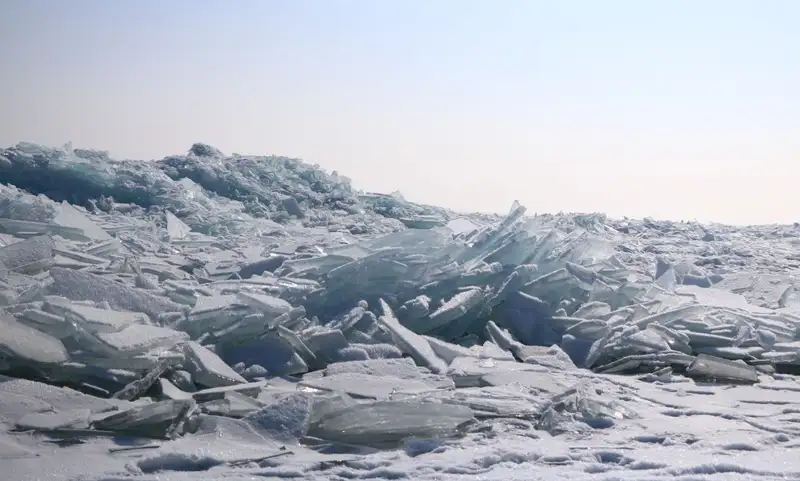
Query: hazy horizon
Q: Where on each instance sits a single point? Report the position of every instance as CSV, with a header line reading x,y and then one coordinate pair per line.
x,y
673,110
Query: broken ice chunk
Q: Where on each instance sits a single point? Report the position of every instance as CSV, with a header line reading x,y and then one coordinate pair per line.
x,y
73,419
292,207
93,319
255,372
78,285
176,228
251,389
449,352
412,344
207,368
151,420
298,345
286,420
368,386
667,317
139,338
454,308
138,387
24,343
29,256
592,310
536,382
170,391
271,351
326,344
403,368
446,351
267,304
233,405
582,408
469,371
386,423
214,303
52,324
69,216
415,308
668,280
715,368
552,357
19,397
589,329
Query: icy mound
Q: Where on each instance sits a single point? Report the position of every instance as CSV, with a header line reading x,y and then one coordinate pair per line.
x,y
211,191
191,302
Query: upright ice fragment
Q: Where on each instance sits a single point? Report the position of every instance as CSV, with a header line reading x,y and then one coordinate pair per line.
x,y
176,229
69,216
412,344
208,369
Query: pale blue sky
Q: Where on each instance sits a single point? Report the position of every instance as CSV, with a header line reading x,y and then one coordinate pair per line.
x,y
674,109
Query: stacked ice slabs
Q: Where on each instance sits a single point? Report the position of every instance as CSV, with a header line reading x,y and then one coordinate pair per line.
x,y
311,334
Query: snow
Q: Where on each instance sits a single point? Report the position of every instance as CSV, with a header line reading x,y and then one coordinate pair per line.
x,y
230,318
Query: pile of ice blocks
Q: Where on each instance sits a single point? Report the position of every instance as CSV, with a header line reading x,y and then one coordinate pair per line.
x,y
178,311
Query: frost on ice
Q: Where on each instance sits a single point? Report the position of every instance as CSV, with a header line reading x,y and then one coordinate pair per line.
x,y
265,299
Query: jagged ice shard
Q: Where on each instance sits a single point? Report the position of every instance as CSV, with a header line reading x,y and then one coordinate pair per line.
x,y
257,317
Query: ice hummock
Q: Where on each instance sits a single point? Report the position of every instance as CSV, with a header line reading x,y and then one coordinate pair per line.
x,y
263,298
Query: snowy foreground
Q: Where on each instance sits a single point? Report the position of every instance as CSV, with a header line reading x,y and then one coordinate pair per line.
x,y
206,317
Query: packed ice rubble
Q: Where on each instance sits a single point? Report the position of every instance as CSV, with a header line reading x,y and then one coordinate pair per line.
x,y
210,192
181,309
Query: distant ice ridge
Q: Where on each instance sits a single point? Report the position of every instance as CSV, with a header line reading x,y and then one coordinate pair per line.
x,y
185,330
211,192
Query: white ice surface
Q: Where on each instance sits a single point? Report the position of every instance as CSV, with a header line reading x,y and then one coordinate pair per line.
x,y
683,432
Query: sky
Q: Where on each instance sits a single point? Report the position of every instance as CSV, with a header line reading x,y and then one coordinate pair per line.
x,y
679,109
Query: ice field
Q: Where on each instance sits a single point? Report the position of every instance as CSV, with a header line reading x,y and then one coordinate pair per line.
x,y
212,317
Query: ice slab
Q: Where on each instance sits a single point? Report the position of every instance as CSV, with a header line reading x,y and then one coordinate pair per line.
x,y
140,338
92,318
232,405
403,368
151,420
71,419
715,368
386,423
176,228
286,420
71,217
208,369
368,386
251,389
414,345
77,285
20,397
28,256
25,344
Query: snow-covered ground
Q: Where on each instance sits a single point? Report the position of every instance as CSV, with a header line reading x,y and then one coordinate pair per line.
x,y
230,318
